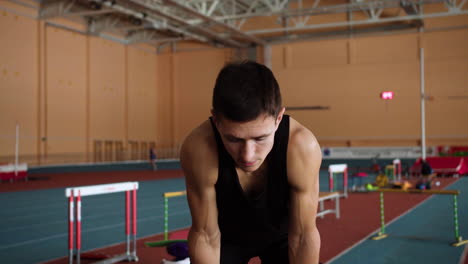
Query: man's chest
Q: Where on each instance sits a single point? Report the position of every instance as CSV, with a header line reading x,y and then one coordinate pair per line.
x,y
252,184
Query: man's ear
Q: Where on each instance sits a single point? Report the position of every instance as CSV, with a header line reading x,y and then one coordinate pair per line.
x,y
280,115
213,115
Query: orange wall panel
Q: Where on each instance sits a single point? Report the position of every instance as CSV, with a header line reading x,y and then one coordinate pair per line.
x,y
446,22
165,100
18,8
107,89
441,22
446,82
386,49
447,118
142,95
324,53
66,81
442,45
447,78
18,83
352,90
194,75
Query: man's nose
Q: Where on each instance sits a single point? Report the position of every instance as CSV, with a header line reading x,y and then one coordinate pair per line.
x,y
248,151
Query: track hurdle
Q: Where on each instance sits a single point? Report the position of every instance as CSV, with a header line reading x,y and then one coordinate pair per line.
x,y
323,196
458,239
334,169
75,193
166,240
394,170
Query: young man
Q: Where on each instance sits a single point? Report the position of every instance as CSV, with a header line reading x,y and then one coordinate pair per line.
x,y
251,175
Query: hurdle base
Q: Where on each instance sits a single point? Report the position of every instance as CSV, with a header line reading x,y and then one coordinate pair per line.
x,y
133,258
459,242
379,237
117,258
164,243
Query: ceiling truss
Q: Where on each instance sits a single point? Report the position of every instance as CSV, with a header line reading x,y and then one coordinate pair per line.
x,y
233,23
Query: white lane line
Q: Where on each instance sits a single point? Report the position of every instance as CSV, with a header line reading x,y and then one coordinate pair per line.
x,y
28,242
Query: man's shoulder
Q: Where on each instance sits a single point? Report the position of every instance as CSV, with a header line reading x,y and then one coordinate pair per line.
x,y
301,138
200,142
200,137
303,158
198,155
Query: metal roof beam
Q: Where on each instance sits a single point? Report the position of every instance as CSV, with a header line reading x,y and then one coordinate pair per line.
x,y
410,8
189,10
328,9
141,37
89,12
51,9
181,21
154,22
361,22
100,24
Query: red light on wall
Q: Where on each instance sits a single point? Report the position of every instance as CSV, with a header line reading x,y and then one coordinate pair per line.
x,y
388,95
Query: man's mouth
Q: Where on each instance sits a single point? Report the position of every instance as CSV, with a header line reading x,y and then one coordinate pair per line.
x,y
248,164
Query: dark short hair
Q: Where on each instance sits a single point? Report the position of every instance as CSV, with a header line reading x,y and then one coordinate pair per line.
x,y
245,90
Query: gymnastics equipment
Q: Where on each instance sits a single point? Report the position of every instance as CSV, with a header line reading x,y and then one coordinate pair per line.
x,y
393,171
443,165
12,172
458,239
334,169
166,240
323,196
17,170
75,193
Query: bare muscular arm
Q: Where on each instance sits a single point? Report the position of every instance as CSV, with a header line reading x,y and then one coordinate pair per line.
x,y
304,159
199,162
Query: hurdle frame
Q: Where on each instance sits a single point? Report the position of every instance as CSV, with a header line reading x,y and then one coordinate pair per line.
x,y
335,169
324,196
166,240
395,167
458,239
74,213
166,196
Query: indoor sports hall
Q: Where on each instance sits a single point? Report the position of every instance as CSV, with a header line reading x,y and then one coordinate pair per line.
x,y
98,96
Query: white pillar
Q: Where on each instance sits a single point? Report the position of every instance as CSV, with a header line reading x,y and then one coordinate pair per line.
x,y
267,55
423,99
16,149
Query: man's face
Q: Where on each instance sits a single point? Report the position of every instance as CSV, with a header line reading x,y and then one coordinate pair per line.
x,y
248,143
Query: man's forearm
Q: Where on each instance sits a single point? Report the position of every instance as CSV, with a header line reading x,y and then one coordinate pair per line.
x,y
204,248
304,248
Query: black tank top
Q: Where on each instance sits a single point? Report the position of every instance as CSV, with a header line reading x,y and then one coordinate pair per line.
x,y
248,220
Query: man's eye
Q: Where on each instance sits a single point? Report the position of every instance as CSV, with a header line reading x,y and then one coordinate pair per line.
x,y
260,139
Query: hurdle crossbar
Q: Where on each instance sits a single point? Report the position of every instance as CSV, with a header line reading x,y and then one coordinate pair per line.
x,y
334,169
449,192
75,193
174,194
458,238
